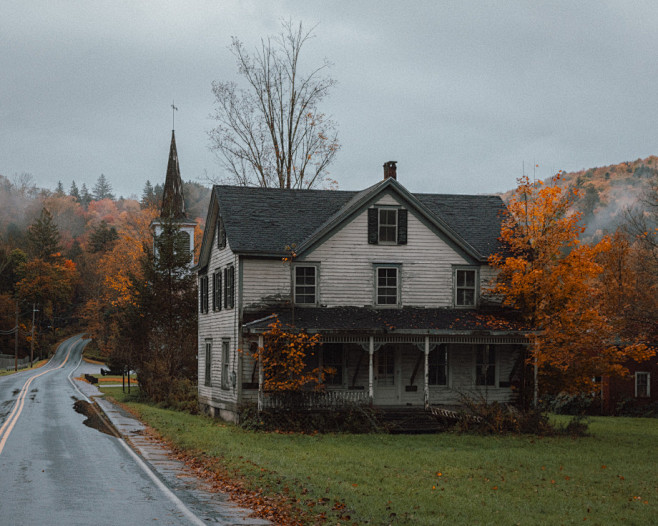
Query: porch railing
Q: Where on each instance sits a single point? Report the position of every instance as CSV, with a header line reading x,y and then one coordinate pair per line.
x,y
308,400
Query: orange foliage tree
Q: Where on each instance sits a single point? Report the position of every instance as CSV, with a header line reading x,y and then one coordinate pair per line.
x,y
285,357
552,279
110,274
48,284
629,288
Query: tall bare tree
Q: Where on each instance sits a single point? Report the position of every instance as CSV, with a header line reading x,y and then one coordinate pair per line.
x,y
272,133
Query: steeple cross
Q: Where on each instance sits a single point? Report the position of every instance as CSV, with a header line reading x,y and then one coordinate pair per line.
x,y
173,115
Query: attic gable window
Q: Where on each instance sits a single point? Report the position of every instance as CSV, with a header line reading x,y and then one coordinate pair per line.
x,y
221,234
387,226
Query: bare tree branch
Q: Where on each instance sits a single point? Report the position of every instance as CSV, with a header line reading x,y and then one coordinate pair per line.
x,y
272,133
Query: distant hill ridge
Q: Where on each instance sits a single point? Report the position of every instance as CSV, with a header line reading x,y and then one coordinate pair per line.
x,y
607,191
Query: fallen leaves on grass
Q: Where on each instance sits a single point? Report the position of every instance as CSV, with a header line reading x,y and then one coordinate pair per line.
x,y
282,508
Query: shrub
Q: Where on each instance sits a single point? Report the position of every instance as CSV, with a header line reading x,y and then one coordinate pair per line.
x,y
635,407
572,404
356,419
481,417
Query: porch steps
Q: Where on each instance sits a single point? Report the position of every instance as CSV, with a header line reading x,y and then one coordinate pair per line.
x,y
410,421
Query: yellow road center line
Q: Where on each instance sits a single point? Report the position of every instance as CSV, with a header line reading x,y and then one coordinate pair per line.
x,y
16,411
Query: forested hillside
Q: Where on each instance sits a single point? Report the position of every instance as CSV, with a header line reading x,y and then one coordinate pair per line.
x,y
608,192
69,255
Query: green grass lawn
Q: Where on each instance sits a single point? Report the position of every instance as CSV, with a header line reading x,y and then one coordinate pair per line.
x,y
610,477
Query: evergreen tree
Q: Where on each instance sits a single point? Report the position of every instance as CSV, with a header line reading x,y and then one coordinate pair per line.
x,y
85,196
148,196
102,238
102,189
159,192
43,237
59,191
163,330
74,192
75,251
10,273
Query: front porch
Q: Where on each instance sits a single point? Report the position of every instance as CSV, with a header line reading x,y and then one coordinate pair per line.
x,y
403,371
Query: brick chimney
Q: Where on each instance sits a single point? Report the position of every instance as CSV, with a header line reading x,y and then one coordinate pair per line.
x,y
390,170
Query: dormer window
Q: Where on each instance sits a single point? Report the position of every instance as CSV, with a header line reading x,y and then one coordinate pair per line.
x,y
387,225
465,280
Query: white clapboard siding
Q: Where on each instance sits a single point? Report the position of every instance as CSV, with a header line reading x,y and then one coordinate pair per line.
x,y
218,326
347,272
264,281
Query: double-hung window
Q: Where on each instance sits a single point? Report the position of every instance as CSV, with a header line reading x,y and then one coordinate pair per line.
x,y
208,362
438,366
226,349
203,294
229,287
642,385
465,287
387,225
387,285
306,284
217,290
485,365
332,361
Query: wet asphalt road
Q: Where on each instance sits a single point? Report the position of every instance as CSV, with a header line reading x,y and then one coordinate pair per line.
x,y
55,470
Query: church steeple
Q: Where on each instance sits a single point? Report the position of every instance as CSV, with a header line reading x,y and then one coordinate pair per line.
x,y
173,207
173,202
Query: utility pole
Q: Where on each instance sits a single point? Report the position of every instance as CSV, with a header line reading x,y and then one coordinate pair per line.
x,y
16,341
34,311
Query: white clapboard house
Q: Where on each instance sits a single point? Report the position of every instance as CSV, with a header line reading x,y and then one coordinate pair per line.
x,y
393,281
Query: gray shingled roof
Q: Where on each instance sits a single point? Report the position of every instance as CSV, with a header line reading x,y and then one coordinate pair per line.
x,y
391,321
476,217
265,220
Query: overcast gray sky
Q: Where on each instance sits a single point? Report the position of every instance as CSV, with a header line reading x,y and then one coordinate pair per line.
x,y
460,93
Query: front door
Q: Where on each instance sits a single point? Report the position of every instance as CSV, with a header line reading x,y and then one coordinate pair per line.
x,y
387,381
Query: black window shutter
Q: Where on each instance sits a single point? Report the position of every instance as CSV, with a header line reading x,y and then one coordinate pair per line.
x,y
232,272
201,294
214,291
373,224
402,226
219,290
226,305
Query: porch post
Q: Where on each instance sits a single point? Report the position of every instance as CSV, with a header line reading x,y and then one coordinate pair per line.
x,y
261,373
426,388
371,371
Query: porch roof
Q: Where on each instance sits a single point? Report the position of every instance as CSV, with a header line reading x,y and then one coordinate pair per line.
x,y
408,320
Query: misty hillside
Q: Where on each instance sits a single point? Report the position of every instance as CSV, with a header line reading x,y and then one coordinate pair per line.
x,y
607,191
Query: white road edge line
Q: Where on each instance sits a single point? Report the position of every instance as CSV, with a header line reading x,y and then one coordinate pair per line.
x,y
189,514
